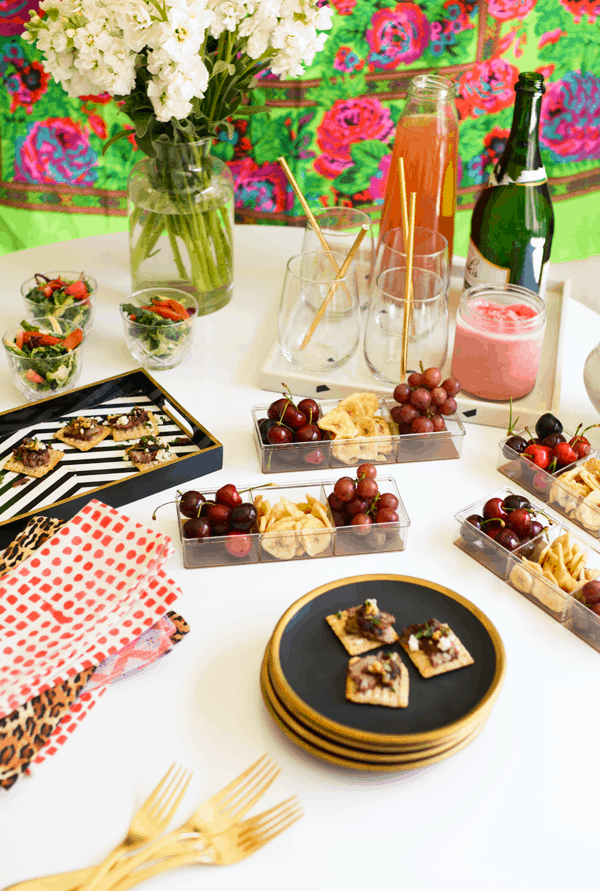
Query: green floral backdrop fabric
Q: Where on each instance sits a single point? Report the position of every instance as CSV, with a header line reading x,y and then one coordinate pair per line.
x,y
335,125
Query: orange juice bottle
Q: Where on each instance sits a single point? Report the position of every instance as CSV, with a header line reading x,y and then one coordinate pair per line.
x,y
427,139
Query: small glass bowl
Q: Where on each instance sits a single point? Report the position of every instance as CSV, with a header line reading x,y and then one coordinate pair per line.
x,y
164,346
79,313
38,378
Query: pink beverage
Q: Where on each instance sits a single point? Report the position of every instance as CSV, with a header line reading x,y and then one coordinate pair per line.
x,y
498,341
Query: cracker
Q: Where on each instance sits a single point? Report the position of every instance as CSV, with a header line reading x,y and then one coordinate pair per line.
x,y
144,468
421,660
135,432
353,643
395,696
38,472
81,444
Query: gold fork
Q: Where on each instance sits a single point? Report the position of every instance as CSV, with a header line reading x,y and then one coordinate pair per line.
x,y
221,806
216,815
230,846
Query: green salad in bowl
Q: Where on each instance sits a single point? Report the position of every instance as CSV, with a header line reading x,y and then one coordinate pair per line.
x,y
44,356
65,295
159,326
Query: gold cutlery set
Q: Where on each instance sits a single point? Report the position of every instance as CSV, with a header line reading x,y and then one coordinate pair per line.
x,y
215,834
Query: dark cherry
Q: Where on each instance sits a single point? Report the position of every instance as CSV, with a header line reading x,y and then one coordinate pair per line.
x,y
492,530
191,503
357,506
554,439
219,517
388,501
476,520
508,539
277,408
493,510
293,417
473,520
243,517
527,547
536,528
310,408
238,543
517,444
279,434
264,427
385,515
228,495
315,457
514,502
519,521
547,424
196,527
308,433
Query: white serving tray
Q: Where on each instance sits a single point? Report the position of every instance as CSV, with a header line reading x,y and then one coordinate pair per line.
x,y
355,375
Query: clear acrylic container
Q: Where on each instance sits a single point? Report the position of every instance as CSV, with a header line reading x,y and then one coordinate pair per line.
x,y
394,449
479,545
565,607
550,488
274,547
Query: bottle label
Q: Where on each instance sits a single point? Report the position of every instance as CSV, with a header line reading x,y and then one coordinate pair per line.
x,y
478,270
525,178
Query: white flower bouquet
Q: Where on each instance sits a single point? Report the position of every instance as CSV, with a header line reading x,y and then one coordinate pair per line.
x,y
181,69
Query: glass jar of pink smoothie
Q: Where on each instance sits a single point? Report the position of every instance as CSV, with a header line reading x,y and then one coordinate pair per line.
x,y
498,341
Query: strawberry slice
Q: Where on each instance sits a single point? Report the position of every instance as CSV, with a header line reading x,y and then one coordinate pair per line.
x,y
34,377
73,339
77,290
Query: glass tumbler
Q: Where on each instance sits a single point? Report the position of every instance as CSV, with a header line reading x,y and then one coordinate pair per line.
x,y
309,281
44,373
340,226
430,251
77,309
159,341
428,324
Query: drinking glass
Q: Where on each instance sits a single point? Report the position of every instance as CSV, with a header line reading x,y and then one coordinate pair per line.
x,y
44,375
428,324
309,279
165,342
340,226
430,251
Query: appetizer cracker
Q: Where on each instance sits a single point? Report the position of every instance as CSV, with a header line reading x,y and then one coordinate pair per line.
x,y
83,433
149,452
379,679
362,628
33,458
136,423
434,649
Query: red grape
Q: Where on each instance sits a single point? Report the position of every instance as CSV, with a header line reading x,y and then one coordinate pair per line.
x,y
367,488
438,423
407,414
335,503
420,398
366,470
395,413
449,406
338,518
363,521
421,425
403,428
356,506
388,501
385,515
345,488
414,379
591,592
402,393
438,395
431,377
451,386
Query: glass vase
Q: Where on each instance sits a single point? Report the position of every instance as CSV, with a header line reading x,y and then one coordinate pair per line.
x,y
181,223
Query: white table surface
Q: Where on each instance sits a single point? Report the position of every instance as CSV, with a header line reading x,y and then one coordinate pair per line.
x,y
515,809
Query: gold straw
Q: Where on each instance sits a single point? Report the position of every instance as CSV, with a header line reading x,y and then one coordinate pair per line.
x,y
313,221
408,286
342,272
404,205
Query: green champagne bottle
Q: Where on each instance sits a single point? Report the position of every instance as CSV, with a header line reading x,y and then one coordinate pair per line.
x,y
513,221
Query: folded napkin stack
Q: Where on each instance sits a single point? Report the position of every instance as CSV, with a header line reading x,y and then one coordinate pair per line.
x,y
81,605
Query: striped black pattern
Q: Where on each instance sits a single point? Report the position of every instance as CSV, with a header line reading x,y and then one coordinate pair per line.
x,y
78,471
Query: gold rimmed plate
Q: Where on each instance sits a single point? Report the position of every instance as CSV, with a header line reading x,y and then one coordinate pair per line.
x,y
411,760
307,666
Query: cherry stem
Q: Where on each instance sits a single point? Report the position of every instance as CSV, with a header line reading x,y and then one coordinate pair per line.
x,y
511,425
493,520
529,434
579,436
288,394
165,504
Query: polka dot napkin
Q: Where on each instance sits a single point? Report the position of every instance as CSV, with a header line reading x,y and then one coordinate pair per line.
x,y
90,590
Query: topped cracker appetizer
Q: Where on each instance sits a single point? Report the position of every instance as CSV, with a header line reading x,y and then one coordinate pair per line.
x,y
83,433
33,458
434,649
149,452
379,679
136,423
362,628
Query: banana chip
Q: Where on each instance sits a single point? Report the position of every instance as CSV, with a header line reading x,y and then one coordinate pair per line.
x,y
355,419
292,530
562,565
578,493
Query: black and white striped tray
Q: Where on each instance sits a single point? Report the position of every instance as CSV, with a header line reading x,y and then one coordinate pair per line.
x,y
104,470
